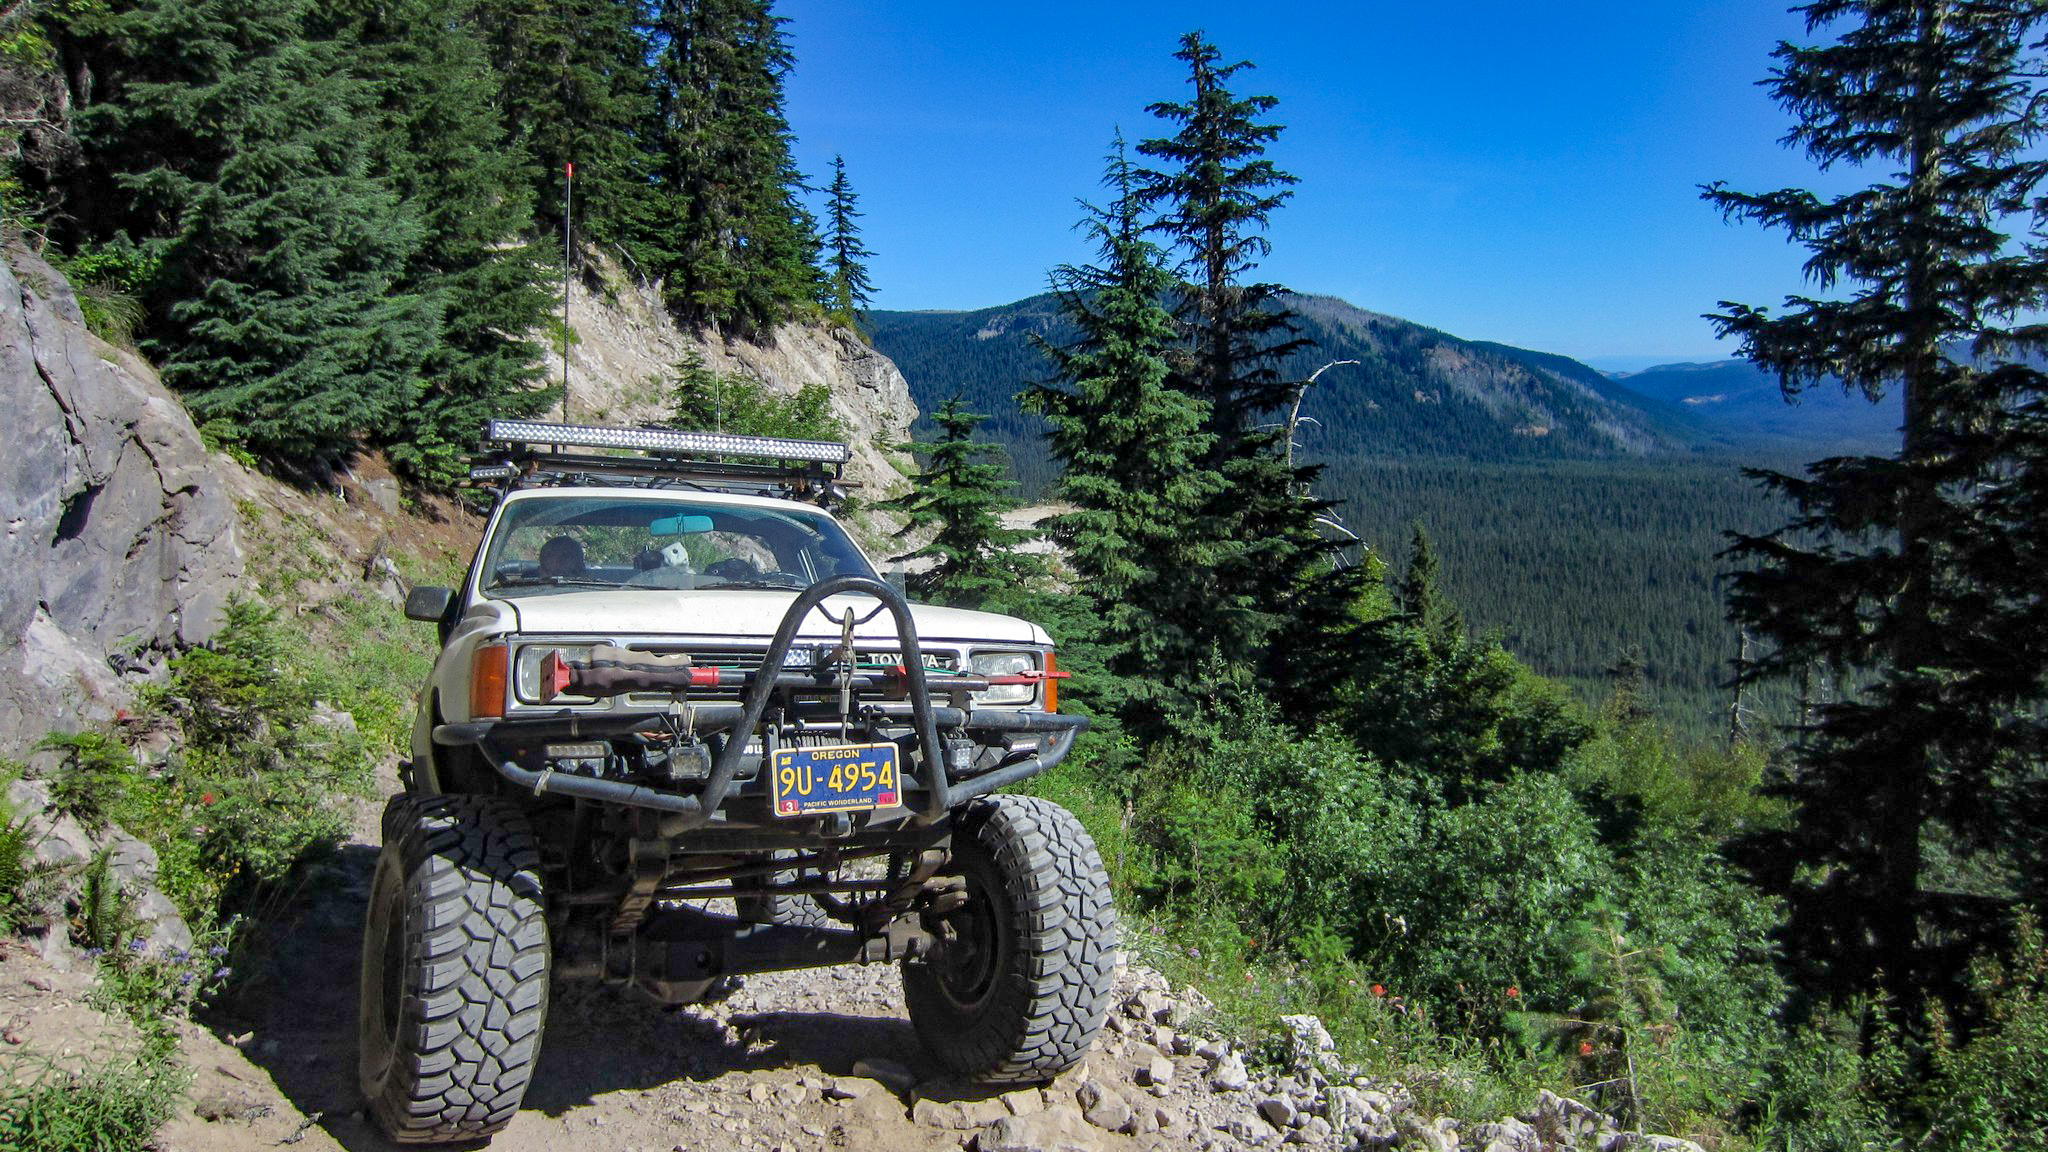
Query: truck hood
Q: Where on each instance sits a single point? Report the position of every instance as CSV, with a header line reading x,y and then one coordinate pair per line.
x,y
720,614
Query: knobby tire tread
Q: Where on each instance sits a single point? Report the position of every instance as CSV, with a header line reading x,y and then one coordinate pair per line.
x,y
476,958
1054,988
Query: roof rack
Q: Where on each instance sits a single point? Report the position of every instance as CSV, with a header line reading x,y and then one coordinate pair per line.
x,y
534,453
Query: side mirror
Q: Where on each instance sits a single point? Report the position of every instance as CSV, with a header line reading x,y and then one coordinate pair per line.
x,y
429,604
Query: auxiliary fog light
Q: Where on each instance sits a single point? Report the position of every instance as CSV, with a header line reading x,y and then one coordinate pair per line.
x,y
596,750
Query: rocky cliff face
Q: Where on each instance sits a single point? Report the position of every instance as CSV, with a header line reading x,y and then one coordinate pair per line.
x,y
119,538
627,346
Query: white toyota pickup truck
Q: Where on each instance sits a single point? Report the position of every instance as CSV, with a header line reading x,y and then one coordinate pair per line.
x,y
680,731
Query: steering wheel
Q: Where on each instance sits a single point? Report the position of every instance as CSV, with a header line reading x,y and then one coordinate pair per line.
x,y
732,568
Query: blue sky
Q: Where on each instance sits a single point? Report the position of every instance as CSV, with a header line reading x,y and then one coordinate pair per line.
x,y
1500,169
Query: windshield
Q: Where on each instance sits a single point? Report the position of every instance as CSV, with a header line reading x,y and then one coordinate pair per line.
x,y
583,541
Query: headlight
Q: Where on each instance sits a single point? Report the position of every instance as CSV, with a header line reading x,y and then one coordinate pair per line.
x,y
527,683
1004,664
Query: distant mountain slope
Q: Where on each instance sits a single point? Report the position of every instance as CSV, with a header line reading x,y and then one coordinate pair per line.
x,y
1415,392
1738,404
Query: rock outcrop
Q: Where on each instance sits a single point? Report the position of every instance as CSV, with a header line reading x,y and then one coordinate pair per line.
x,y
627,345
119,538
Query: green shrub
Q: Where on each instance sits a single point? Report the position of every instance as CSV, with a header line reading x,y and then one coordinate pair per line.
x,y
155,986
1989,1088
114,1105
91,776
703,400
106,914
18,872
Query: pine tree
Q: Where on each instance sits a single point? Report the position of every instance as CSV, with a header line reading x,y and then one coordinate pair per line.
x,y
1423,604
962,490
742,253
1214,195
1132,448
1907,577
234,144
847,288
445,150
575,88
1281,602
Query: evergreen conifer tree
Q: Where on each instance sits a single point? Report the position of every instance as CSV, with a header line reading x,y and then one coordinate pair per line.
x,y
1132,446
1214,195
963,489
847,288
1281,602
236,143
1907,577
574,87
1423,604
743,251
446,152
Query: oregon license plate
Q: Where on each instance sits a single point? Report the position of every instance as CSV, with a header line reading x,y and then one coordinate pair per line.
x,y
850,778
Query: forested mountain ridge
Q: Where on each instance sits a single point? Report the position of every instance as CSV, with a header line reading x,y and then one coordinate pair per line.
x,y
1416,391
1742,406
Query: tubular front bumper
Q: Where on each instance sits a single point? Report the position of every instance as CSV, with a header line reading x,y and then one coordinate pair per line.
x,y
942,785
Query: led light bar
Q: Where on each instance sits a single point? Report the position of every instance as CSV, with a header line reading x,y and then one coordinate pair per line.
x,y
493,472
662,440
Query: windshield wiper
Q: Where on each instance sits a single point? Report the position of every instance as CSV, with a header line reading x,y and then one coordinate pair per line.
x,y
555,581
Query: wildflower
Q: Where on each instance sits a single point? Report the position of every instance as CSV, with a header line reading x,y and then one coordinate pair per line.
x,y
1585,1047
185,979
95,953
217,951
1514,992
1379,989
138,945
206,799
220,973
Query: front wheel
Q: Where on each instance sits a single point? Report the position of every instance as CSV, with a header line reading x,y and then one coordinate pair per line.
x,y
1020,982
455,969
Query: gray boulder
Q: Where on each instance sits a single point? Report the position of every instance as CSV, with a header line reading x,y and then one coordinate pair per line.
x,y
119,539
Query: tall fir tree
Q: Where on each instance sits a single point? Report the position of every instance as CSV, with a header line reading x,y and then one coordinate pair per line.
x,y
445,150
1214,194
1132,449
1281,602
1422,601
231,144
575,87
962,490
742,250
847,287
1905,576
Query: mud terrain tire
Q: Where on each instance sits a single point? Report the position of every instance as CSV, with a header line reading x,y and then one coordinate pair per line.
x,y
455,969
1021,988
797,911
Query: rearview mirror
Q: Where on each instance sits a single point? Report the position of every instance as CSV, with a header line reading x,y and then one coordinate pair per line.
x,y
679,525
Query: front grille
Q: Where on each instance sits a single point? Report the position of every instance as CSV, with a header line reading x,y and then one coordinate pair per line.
x,y
801,657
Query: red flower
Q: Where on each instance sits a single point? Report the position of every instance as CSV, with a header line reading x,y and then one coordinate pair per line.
x,y
1585,1047
1379,989
1514,992
206,799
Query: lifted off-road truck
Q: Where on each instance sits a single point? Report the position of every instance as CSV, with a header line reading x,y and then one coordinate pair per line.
x,y
679,731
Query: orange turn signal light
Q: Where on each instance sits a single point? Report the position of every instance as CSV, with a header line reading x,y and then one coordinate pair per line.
x,y
487,674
